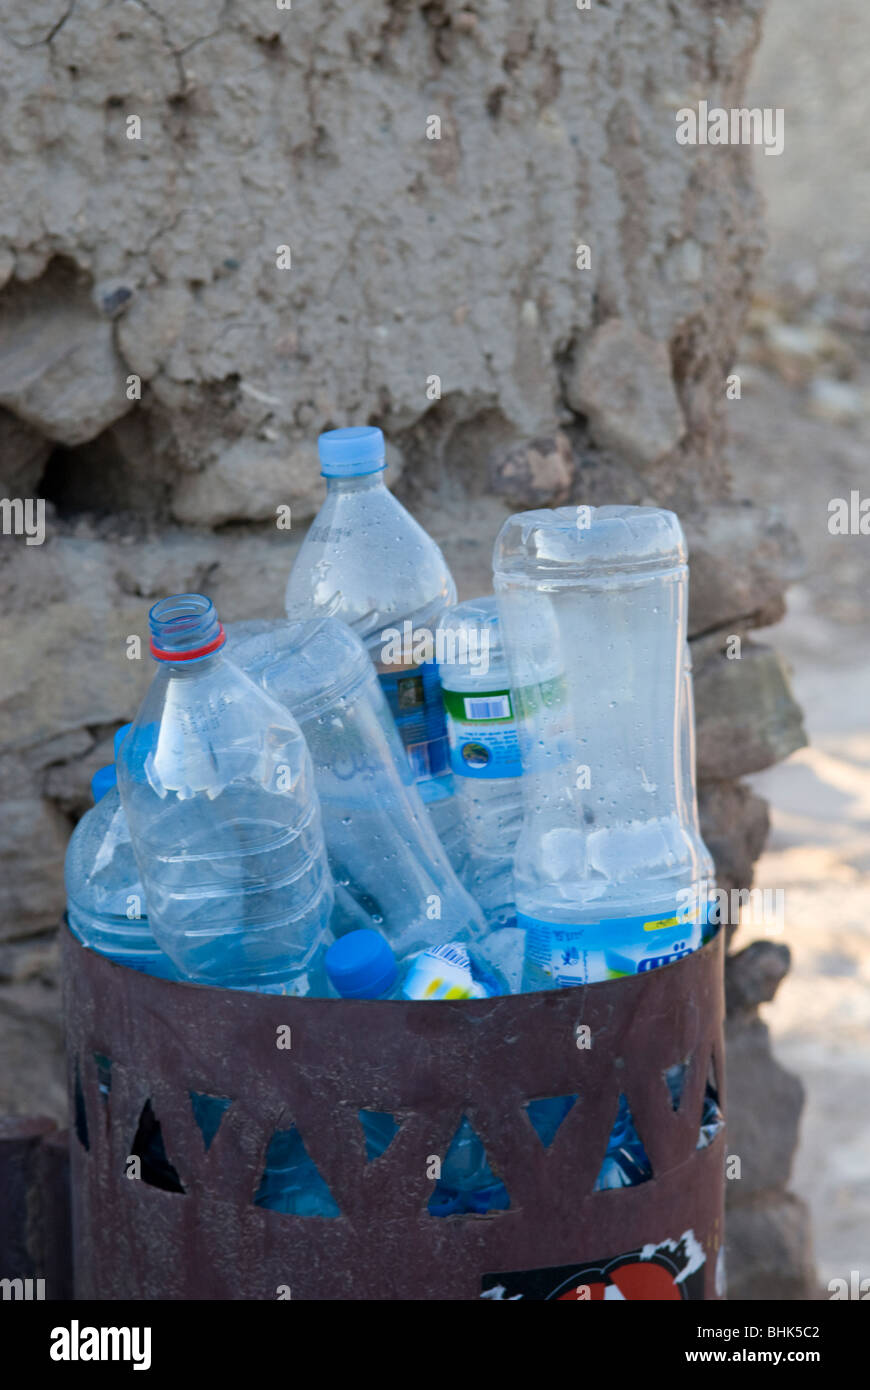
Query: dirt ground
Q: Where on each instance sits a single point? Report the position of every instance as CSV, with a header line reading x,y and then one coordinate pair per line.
x,y
801,437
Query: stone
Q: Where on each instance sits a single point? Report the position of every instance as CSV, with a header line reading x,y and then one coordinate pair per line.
x,y
742,558
33,839
734,825
836,402
536,474
753,975
622,383
769,1250
764,1108
747,718
59,371
23,455
249,481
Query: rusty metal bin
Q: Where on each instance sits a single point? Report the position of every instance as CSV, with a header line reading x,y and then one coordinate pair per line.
x,y
141,1048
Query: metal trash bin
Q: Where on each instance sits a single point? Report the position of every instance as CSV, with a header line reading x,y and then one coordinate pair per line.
x,y
141,1049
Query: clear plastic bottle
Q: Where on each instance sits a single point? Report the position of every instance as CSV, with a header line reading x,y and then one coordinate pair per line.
x,y
484,751
382,848
363,965
105,900
609,865
366,560
217,785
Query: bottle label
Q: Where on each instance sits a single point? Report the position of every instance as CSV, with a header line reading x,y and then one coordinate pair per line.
x,y
414,697
612,947
446,972
482,734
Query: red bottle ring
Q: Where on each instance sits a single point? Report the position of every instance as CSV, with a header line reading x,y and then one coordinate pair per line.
x,y
190,656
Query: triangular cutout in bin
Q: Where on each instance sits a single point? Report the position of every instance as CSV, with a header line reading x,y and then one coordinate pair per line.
x,y
625,1163
467,1185
208,1111
712,1119
80,1111
380,1129
291,1182
546,1116
149,1148
675,1080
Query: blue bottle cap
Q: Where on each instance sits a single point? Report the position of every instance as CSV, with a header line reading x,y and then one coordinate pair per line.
x,y
102,781
119,738
351,453
361,965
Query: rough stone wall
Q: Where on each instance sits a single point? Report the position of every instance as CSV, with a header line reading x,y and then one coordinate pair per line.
x,y
281,248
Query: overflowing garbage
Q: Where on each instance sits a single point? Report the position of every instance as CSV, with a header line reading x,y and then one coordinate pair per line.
x,y
389,795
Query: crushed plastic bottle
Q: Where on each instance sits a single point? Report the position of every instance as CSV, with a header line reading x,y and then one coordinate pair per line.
x,y
381,844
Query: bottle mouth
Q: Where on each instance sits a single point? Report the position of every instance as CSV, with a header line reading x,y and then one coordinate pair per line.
x,y
185,627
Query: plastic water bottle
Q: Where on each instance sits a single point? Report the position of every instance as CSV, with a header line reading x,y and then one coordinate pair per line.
x,y
361,965
626,1163
484,751
218,788
105,899
609,866
366,560
690,793
382,848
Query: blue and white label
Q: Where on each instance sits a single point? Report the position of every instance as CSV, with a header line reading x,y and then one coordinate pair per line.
x,y
610,948
482,734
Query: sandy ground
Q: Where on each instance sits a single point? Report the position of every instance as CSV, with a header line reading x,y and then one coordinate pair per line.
x,y
797,446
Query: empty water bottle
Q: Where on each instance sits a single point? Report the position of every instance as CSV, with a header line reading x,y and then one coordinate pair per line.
x,y
484,752
609,865
366,560
105,900
363,965
382,848
217,785
626,1163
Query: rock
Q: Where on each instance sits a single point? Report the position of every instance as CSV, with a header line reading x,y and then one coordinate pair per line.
x,y
747,718
734,826
33,839
795,350
34,1062
769,1250
535,474
835,402
764,1104
23,455
249,481
753,975
59,371
741,560
622,382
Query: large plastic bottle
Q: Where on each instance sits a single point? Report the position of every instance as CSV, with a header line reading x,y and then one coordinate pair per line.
x,y
217,785
484,751
105,900
382,848
609,865
366,560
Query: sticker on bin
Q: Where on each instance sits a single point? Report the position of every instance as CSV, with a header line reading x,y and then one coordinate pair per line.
x,y
447,972
482,734
611,947
670,1272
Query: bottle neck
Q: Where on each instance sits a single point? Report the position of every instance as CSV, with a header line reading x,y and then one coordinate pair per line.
x,y
366,482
